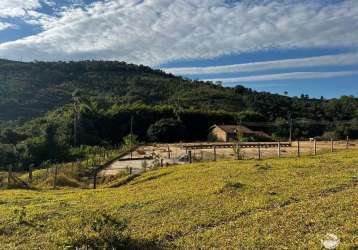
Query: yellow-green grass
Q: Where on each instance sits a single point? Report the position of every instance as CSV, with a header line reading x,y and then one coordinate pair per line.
x,y
289,203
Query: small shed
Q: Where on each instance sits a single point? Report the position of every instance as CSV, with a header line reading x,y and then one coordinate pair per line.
x,y
227,133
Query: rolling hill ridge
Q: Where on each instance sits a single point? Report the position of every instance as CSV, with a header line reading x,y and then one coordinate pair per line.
x,y
29,90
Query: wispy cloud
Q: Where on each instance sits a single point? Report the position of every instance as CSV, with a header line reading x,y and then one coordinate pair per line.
x,y
330,60
4,26
157,31
284,76
16,8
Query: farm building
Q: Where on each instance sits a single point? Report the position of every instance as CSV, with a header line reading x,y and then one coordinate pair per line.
x,y
226,133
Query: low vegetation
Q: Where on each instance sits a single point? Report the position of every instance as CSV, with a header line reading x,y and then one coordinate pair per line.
x,y
287,203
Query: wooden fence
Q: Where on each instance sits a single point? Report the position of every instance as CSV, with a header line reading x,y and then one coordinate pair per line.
x,y
280,148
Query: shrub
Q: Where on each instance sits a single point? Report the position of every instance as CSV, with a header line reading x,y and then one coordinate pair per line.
x,y
95,231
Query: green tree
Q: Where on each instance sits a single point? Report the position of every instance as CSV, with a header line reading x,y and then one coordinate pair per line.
x,y
281,129
167,130
9,136
250,116
130,140
7,155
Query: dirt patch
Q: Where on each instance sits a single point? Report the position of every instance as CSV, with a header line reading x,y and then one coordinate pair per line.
x,y
337,189
231,187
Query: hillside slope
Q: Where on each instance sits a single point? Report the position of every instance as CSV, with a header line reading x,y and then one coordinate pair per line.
x,y
270,204
29,90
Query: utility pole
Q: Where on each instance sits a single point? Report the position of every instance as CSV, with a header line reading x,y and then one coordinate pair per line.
x,y
95,178
131,138
76,118
290,139
75,126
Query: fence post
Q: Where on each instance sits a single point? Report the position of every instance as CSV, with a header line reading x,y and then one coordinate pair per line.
x,y
9,176
347,142
238,151
30,173
47,172
298,148
201,155
144,165
95,179
332,149
259,151
279,149
55,177
169,156
314,147
189,155
214,153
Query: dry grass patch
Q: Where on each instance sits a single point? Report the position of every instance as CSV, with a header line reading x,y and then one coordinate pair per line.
x,y
284,203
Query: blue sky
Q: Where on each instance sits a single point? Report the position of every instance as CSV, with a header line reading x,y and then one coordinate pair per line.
x,y
299,46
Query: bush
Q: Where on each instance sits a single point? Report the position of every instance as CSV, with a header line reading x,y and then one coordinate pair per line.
x,y
329,135
130,140
95,231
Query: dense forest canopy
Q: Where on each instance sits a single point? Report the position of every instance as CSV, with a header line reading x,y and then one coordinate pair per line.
x,y
29,90
37,111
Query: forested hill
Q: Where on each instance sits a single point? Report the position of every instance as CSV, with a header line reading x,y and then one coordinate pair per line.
x,y
29,90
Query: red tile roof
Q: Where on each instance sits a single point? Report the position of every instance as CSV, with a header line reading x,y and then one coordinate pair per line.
x,y
236,128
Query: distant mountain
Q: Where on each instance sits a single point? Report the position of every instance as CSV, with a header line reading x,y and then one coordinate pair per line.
x,y
29,90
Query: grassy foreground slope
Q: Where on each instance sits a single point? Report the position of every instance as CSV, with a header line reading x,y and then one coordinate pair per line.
x,y
268,204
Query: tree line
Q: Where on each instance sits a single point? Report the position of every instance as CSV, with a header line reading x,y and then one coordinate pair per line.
x,y
51,138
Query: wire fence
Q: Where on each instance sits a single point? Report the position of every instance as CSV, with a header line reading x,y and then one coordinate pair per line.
x,y
77,173
261,151
104,165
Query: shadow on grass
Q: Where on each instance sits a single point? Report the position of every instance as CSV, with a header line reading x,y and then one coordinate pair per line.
x,y
99,230
122,181
150,178
127,243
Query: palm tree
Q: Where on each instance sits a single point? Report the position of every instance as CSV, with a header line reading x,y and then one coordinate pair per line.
x,y
78,103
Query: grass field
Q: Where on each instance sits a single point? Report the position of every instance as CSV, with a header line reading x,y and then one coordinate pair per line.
x,y
285,203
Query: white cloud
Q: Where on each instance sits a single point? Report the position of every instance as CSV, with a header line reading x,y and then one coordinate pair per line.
x,y
284,76
40,19
319,61
157,31
28,11
15,8
4,26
